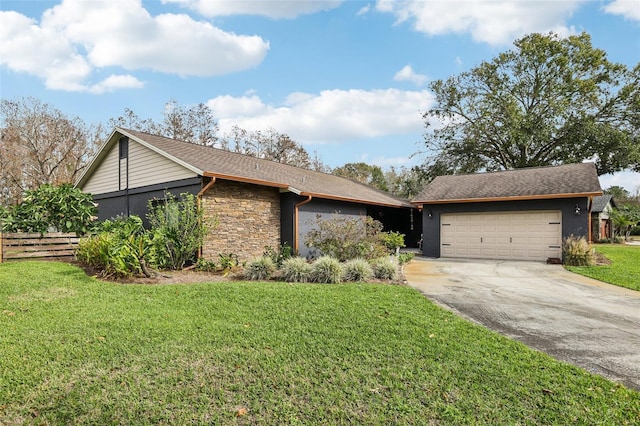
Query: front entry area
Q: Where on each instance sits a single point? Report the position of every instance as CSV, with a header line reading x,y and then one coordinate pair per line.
x,y
521,235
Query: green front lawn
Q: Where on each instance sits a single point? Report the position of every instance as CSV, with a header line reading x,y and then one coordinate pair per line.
x,y
76,350
624,269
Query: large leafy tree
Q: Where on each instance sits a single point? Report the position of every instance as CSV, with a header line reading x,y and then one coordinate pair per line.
x,y
40,145
550,100
364,173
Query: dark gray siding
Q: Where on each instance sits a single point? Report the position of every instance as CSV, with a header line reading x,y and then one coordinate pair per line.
x,y
134,201
288,201
326,209
577,225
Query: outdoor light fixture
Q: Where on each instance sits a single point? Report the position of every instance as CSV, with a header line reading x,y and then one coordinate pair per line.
x,y
577,210
430,214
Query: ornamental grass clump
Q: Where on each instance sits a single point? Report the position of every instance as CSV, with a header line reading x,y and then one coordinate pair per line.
x,y
296,270
357,270
384,268
576,251
326,269
259,269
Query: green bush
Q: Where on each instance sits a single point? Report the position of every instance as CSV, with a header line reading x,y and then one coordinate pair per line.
x,y
326,269
404,258
178,229
393,241
119,249
357,270
345,238
576,251
204,265
296,269
384,268
259,269
51,208
278,256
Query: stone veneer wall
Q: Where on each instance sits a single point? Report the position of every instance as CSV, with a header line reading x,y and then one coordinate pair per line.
x,y
248,219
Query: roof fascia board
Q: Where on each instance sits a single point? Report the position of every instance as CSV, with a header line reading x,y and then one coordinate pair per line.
x,y
161,152
246,180
352,200
517,198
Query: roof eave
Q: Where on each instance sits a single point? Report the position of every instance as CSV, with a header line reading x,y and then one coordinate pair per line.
x,y
355,200
514,198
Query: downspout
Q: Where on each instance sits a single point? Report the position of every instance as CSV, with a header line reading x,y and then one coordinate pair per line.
x,y
295,222
589,218
199,201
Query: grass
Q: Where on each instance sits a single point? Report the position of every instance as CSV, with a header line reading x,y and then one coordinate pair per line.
x,y
76,350
624,269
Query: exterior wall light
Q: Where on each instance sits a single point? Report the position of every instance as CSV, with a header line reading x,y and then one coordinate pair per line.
x,y
577,210
430,214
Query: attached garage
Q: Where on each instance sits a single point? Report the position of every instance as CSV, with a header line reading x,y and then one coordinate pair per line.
x,y
521,214
502,235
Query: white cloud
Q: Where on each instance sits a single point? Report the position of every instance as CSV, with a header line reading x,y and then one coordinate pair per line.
x,y
408,74
75,37
629,9
364,10
497,22
272,9
115,82
331,116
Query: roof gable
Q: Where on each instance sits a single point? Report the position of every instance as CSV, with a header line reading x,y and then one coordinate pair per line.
x,y
600,203
564,181
213,162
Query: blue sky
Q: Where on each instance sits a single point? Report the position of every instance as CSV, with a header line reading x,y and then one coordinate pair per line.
x,y
347,79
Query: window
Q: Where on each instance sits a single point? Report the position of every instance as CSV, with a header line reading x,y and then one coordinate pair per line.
x,y
123,145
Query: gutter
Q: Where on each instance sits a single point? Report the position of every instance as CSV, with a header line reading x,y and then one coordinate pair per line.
x,y
295,221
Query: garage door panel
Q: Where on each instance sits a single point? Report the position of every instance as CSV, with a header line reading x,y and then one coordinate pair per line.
x,y
502,235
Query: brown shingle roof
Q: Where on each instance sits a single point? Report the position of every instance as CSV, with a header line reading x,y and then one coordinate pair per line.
x,y
529,183
209,161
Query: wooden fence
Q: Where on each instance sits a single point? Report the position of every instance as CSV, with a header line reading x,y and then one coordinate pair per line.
x,y
22,245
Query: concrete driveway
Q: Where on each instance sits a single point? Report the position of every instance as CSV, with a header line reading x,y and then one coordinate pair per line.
x,y
575,319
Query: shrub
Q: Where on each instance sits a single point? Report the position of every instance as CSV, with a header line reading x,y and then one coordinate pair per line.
x,y
178,229
278,256
393,241
357,270
59,208
259,269
404,258
576,251
345,238
296,269
119,249
205,265
326,269
384,268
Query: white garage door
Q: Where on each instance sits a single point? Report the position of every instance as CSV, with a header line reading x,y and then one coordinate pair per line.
x,y
502,235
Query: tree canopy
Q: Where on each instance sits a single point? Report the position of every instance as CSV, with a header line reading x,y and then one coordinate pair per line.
x,y
363,173
40,145
548,101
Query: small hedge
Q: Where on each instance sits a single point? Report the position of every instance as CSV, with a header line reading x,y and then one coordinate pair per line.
x,y
260,269
296,269
326,270
357,270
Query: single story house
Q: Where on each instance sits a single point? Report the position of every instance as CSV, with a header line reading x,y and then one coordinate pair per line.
x,y
256,202
521,214
601,223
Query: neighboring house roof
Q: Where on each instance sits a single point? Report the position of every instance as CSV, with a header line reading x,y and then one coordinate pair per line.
x,y
600,203
213,162
569,180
